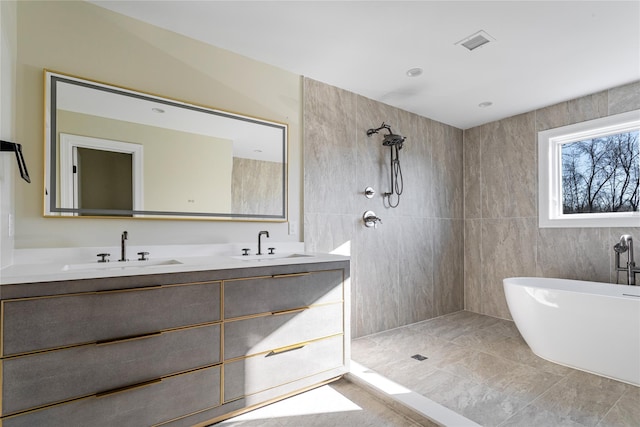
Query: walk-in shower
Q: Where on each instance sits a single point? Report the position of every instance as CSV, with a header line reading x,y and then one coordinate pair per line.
x,y
394,142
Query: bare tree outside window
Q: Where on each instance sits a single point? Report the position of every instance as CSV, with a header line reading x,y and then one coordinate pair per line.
x,y
601,174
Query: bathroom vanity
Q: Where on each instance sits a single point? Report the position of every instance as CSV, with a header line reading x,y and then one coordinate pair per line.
x,y
189,345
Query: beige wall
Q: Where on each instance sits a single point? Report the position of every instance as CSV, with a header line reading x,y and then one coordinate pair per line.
x,y
410,268
8,169
183,172
502,238
82,39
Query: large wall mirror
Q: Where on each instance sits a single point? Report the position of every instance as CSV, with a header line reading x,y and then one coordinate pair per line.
x,y
116,152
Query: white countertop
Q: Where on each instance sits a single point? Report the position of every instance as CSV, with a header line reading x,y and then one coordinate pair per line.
x,y
45,265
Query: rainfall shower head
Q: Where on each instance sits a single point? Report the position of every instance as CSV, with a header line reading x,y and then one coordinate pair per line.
x,y
389,140
393,139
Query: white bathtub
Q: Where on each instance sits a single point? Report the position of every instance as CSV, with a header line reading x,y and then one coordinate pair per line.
x,y
590,326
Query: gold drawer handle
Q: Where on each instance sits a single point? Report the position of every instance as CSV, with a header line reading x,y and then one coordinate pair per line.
x,y
282,276
143,288
126,339
289,311
287,348
128,388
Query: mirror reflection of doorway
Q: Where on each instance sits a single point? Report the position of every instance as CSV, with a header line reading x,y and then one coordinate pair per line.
x,y
93,169
100,174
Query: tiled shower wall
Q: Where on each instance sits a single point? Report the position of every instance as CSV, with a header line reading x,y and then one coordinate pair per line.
x,y
501,233
411,267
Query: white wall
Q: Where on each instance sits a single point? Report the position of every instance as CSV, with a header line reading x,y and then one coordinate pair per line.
x,y
82,39
8,47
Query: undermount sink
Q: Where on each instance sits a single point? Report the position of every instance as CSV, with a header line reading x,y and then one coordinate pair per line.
x,y
120,265
266,257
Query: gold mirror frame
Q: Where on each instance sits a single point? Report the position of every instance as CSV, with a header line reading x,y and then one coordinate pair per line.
x,y
219,165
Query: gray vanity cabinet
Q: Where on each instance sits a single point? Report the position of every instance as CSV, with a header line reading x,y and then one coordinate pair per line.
x,y
177,350
108,355
36,324
281,328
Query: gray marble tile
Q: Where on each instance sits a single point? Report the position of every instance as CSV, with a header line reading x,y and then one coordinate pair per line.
x,y
588,107
448,263
376,297
372,354
517,350
330,153
582,397
473,265
525,382
417,169
480,367
509,170
476,401
446,143
508,250
533,416
624,98
415,263
472,172
625,412
451,326
480,339
573,253
552,117
327,233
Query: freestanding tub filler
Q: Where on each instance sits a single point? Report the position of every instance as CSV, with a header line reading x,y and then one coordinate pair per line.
x,y
591,326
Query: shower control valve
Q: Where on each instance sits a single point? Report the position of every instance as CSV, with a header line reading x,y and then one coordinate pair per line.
x,y
371,220
369,192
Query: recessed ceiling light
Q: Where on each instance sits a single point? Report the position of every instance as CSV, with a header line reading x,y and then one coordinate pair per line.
x,y
485,104
157,110
414,72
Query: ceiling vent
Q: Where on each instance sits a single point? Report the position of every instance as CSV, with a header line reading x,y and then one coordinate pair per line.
x,y
476,40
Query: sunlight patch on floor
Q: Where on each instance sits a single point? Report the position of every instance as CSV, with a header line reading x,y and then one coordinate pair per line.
x,y
321,400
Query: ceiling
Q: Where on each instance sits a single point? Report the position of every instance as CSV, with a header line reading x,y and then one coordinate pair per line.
x,y
543,52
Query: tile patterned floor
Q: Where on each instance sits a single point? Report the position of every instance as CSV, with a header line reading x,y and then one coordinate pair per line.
x,y
480,367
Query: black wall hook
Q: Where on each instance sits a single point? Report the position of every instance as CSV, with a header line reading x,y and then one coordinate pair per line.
x,y
17,148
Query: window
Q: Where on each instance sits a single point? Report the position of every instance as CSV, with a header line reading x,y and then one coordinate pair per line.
x,y
589,173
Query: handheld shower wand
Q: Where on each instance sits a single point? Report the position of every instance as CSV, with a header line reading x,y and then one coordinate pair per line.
x,y
394,142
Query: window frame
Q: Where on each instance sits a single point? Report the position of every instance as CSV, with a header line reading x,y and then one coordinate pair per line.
x,y
550,213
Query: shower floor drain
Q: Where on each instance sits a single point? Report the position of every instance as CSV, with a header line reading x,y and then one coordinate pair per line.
x,y
419,357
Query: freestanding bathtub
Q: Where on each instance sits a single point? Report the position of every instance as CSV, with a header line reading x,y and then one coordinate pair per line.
x,y
590,326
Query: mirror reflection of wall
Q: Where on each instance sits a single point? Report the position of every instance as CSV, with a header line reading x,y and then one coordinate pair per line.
x,y
183,171
187,161
256,185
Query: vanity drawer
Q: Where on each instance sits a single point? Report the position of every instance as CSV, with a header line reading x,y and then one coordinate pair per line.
x,y
141,405
280,366
260,334
41,323
54,376
281,292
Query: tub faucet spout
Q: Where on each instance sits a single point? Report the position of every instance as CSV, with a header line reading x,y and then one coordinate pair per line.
x,y
626,245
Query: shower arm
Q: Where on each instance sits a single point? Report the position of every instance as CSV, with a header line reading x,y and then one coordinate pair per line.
x,y
383,126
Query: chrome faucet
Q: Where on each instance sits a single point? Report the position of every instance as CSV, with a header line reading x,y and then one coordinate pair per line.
x,y
260,241
626,245
123,246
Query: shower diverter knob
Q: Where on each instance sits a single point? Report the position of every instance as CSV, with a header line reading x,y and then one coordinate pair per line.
x,y
370,219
